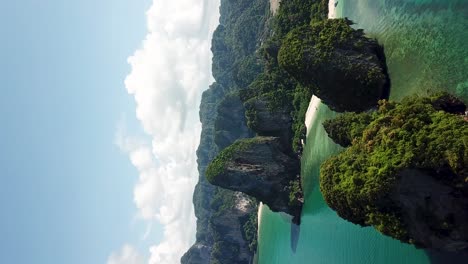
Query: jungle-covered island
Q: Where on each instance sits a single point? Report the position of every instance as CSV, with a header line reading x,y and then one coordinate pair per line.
x,y
403,169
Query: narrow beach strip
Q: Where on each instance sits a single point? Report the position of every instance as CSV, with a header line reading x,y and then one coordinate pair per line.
x,y
311,111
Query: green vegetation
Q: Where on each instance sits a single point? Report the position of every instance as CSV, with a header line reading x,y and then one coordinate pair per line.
x,y
245,66
281,89
295,13
348,126
223,251
224,206
285,59
235,40
218,165
235,65
413,134
301,102
341,66
230,121
295,192
250,231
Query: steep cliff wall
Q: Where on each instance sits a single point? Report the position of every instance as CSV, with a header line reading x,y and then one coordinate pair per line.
x,y
262,167
226,220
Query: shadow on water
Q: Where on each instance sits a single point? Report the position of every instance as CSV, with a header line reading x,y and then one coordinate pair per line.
x,y
295,232
441,257
388,84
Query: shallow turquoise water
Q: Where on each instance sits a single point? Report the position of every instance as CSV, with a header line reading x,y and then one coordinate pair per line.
x,y
426,47
425,41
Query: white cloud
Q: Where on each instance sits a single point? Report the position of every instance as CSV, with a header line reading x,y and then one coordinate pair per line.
x,y
127,255
169,73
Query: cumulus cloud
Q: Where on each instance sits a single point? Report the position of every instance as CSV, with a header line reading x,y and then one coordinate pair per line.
x,y
169,73
127,255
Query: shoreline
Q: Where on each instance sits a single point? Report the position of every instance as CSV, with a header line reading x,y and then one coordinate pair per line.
x,y
259,215
332,8
311,111
315,101
313,105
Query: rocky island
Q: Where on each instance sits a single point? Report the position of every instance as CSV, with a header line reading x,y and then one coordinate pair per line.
x,y
404,171
267,166
262,168
341,66
404,167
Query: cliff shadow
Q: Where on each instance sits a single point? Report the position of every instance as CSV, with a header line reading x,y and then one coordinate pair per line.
x,y
294,239
444,257
380,52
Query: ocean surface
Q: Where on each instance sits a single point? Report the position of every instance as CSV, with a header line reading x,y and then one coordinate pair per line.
x,y
426,45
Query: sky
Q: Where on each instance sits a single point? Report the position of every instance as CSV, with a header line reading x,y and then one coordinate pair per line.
x,y
99,128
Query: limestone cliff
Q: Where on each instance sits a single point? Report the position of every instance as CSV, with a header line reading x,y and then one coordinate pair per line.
x,y
404,172
344,68
226,220
219,239
263,168
267,166
268,121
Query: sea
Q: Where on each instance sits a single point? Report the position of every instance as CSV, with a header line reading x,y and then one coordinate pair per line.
x,y
426,48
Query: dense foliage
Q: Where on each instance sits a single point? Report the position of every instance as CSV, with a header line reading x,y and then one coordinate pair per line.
x,y
225,250
301,102
235,40
250,228
343,129
295,13
413,134
338,63
282,89
219,164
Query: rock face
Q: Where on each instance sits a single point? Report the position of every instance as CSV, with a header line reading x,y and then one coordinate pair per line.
x,y
213,204
230,123
223,121
269,122
345,69
232,246
435,214
231,212
260,167
199,253
450,104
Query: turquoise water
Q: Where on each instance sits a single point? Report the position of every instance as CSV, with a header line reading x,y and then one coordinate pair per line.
x,y
426,47
425,41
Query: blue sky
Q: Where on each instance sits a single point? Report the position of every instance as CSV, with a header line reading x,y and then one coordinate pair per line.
x,y
99,113
66,190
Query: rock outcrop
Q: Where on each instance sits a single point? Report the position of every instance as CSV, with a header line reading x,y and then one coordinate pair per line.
x,y
268,121
230,123
435,213
199,253
449,103
228,226
405,172
345,69
263,168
